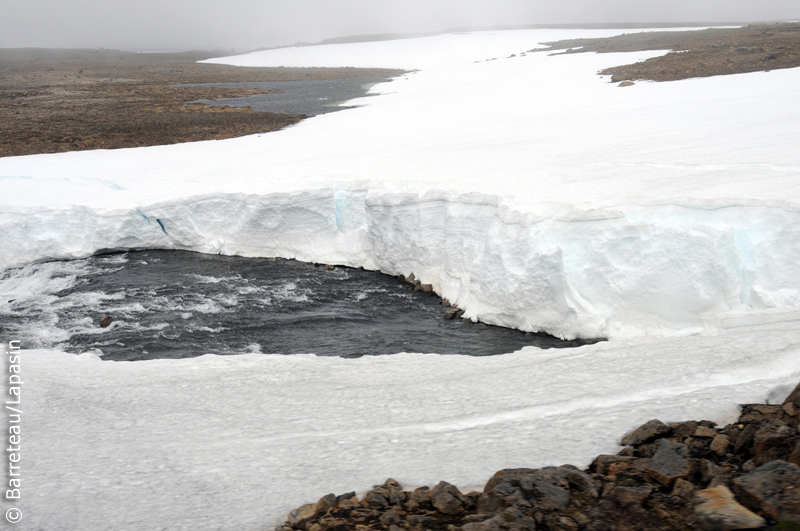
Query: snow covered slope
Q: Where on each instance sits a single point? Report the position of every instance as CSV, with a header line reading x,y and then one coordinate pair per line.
x,y
525,189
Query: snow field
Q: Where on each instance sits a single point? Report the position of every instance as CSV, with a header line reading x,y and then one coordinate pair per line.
x,y
527,190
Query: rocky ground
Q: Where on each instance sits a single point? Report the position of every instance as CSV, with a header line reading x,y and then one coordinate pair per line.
x,y
678,476
70,100
703,53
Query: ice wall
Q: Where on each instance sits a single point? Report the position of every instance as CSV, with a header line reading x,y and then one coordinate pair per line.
x,y
669,269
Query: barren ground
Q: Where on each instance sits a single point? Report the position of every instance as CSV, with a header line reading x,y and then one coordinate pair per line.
x,y
710,52
70,100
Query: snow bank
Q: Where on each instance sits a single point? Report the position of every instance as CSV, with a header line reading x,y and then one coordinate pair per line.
x,y
572,273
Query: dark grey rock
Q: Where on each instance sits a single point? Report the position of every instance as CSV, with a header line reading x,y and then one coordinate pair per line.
x,y
447,499
649,431
669,463
772,490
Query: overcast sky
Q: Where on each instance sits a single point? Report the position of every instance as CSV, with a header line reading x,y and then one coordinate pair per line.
x,y
246,24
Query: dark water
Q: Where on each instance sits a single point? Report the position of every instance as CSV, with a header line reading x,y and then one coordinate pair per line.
x,y
176,304
309,97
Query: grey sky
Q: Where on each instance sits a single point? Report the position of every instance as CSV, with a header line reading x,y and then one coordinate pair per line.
x,y
247,24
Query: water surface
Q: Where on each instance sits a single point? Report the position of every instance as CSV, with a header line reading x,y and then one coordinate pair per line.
x,y
176,304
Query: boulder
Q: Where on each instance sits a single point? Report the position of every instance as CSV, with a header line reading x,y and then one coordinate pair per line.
x,y
703,431
299,517
645,433
718,510
545,489
106,321
773,441
772,490
720,444
669,463
447,499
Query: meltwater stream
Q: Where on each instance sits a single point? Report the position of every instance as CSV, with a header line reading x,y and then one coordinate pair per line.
x,y
177,304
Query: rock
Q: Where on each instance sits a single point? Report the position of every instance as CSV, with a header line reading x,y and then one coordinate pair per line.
x,y
703,431
720,444
630,495
419,520
791,409
561,523
794,397
712,473
684,429
683,489
417,499
546,489
326,503
744,439
451,312
392,484
511,519
447,499
299,517
410,278
669,463
772,490
329,267
698,447
645,433
717,510
375,499
106,321
756,413
773,441
391,517
611,465
426,288
342,497
626,84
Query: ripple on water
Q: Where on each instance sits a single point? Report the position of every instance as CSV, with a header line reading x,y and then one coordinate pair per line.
x,y
177,304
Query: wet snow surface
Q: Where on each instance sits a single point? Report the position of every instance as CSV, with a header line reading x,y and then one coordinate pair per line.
x,y
527,190
176,304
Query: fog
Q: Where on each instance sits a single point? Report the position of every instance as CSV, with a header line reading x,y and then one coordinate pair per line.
x,y
246,24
